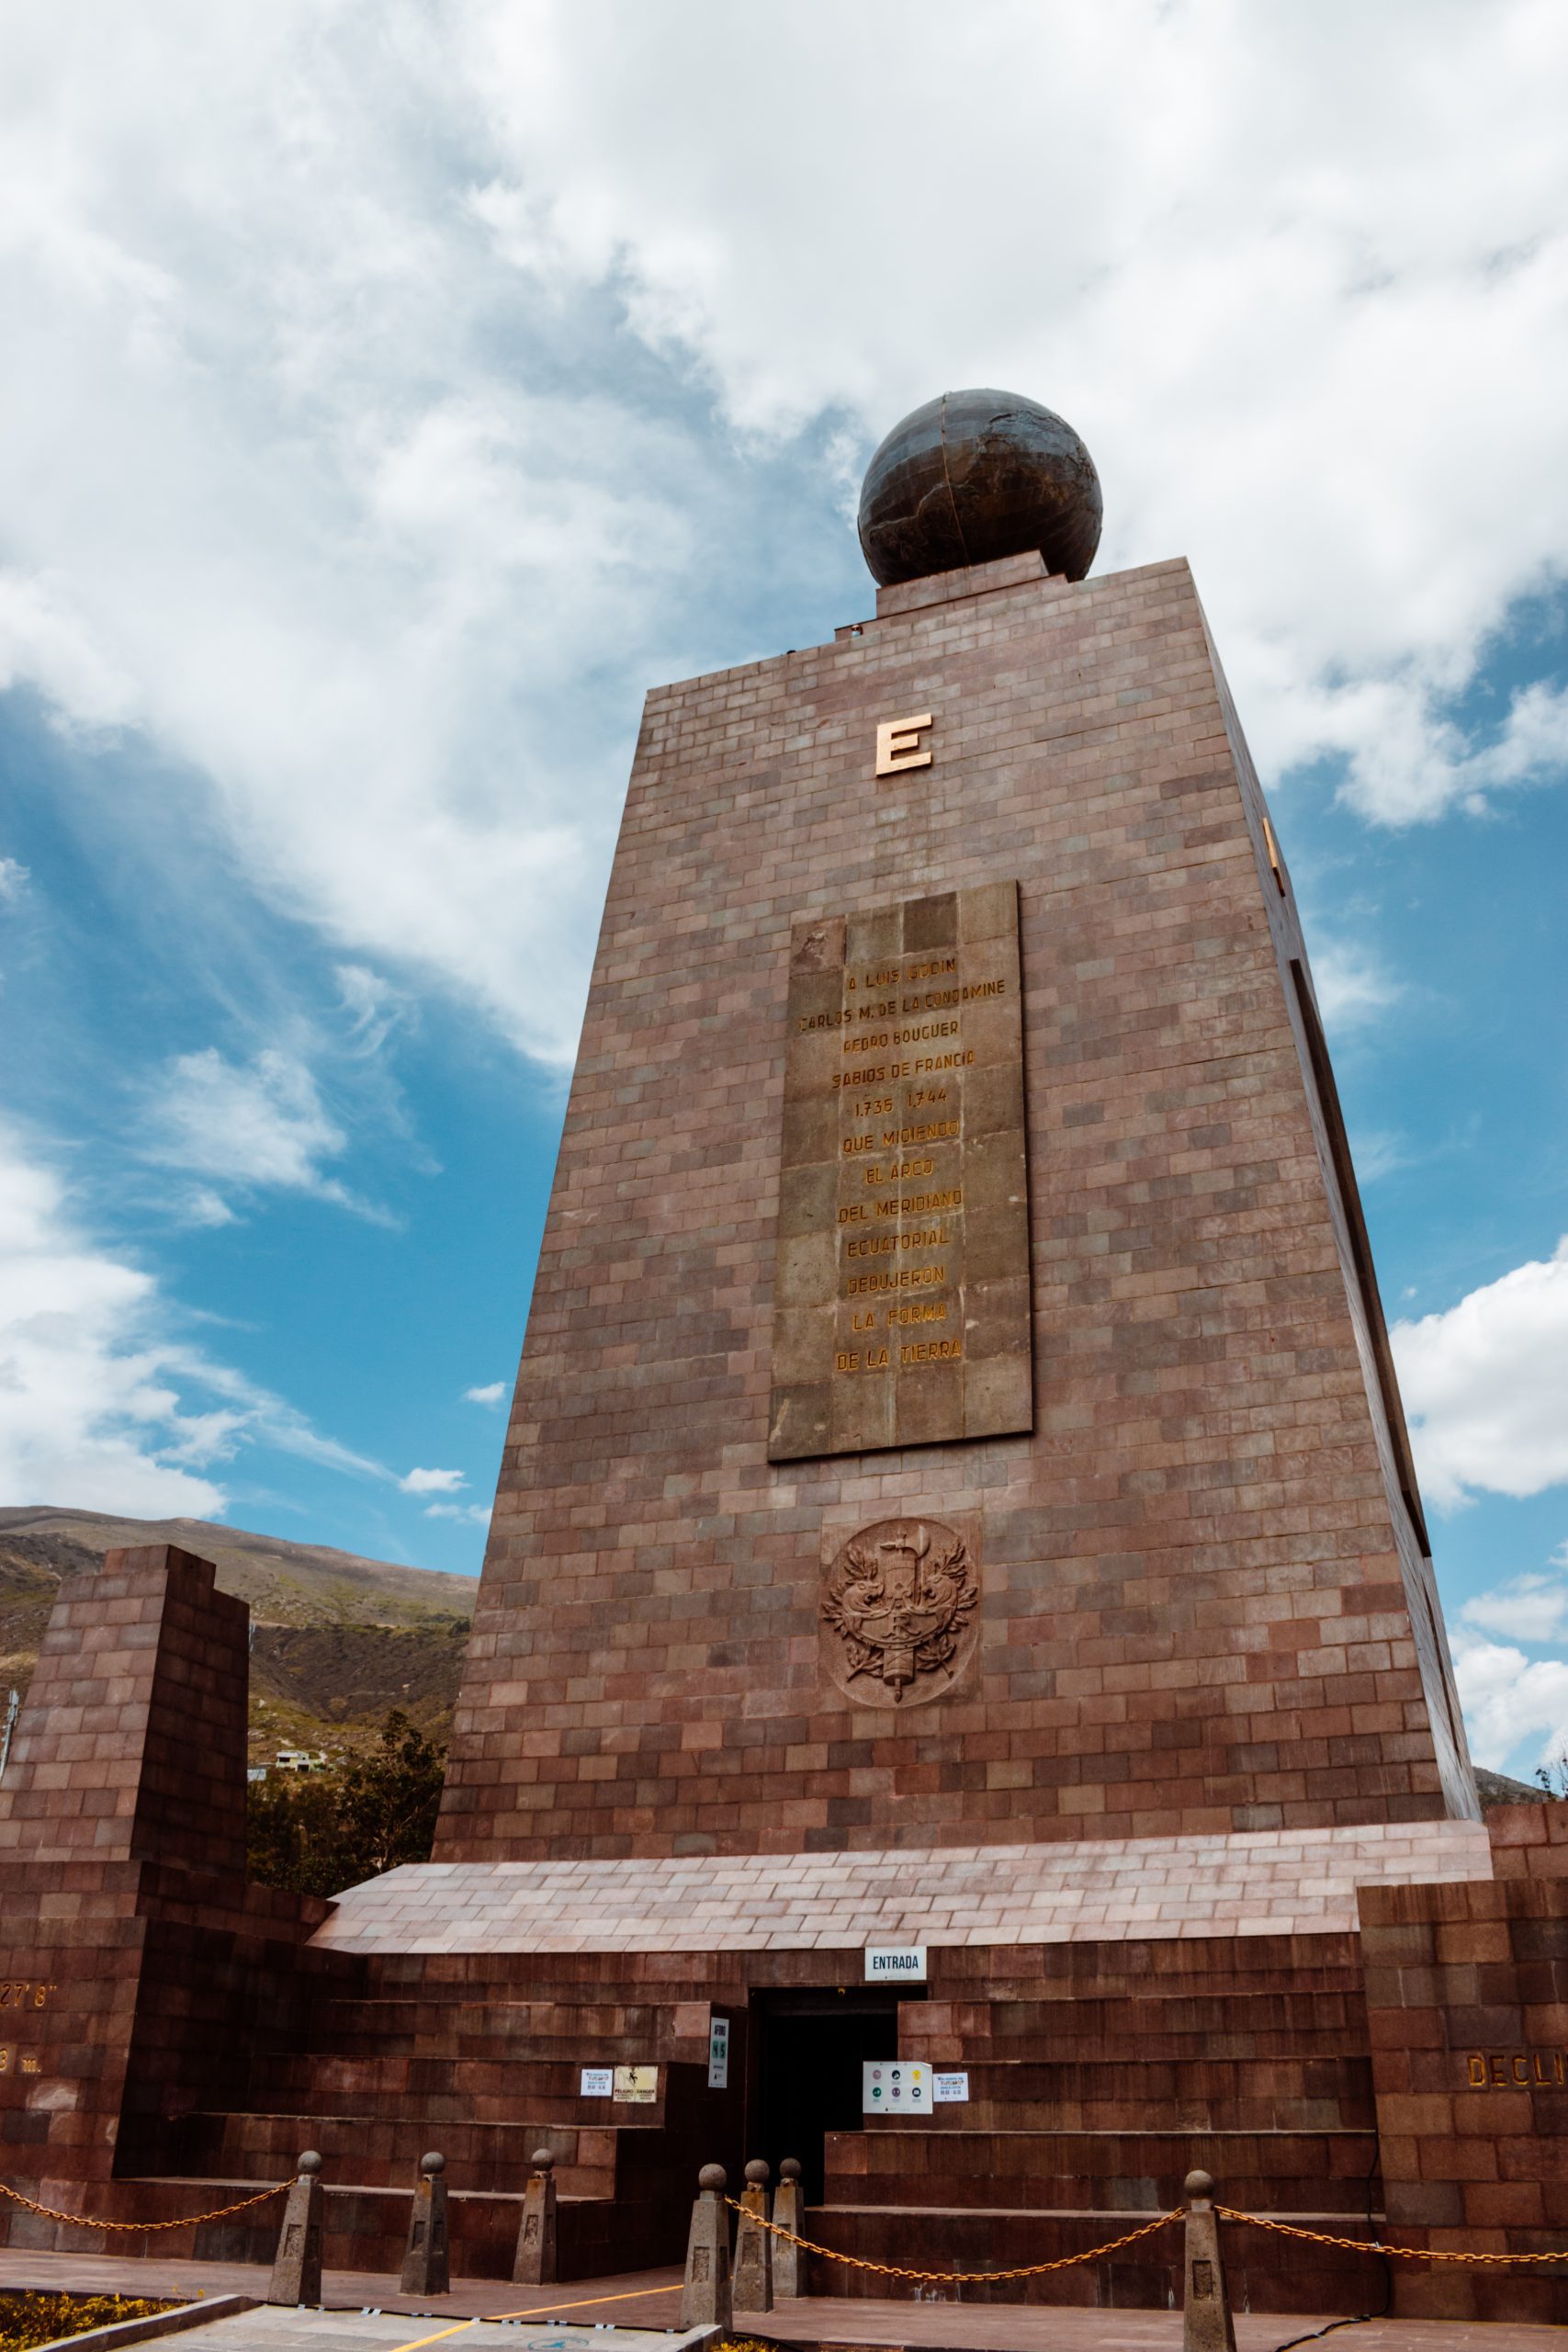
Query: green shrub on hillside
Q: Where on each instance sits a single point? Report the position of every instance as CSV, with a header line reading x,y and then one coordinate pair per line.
x,y
320,1832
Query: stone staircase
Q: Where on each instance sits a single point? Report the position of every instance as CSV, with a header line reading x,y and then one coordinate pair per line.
x,y
488,2070
1256,2047
1251,2051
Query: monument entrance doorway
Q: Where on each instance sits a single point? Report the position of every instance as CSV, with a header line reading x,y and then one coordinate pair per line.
x,y
811,2043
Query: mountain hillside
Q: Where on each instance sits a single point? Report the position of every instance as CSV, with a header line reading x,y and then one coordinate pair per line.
x,y
338,1640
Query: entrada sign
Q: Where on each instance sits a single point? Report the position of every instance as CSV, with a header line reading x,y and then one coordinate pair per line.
x,y
896,1964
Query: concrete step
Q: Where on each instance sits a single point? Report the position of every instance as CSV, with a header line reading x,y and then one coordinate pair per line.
x,y
905,2163
1196,2093
384,2152
595,2032
1264,2273
1235,2024
482,2090
366,2227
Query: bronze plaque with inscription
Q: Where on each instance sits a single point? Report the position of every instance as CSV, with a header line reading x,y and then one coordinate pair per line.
x,y
901,1308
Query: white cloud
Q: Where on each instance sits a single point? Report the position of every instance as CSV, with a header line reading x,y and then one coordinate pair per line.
x,y
1484,1383
94,1392
102,1407
1296,273
1511,1702
492,1394
203,1206
258,1127
88,1414
1352,984
14,879
1527,1609
323,305
373,1006
472,1514
433,1482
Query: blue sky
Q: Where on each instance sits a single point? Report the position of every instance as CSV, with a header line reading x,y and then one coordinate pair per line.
x,y
404,390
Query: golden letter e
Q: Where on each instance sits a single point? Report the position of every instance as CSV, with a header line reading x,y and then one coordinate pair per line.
x,y
899,744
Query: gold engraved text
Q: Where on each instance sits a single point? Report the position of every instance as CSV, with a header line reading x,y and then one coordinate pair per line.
x,y
24,1993
934,1131
1515,2070
879,1245
902,1278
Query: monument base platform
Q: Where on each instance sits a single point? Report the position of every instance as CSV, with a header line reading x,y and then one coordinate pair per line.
x,y
1359,2028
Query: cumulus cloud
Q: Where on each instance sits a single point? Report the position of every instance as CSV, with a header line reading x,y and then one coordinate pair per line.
x,y
492,1394
103,1406
1511,1701
1484,1382
380,341
1283,270
1528,1609
432,1482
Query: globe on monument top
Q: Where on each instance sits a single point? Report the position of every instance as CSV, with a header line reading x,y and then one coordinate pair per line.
x,y
973,476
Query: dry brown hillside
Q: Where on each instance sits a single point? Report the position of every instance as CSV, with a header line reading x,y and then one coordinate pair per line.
x,y
338,1640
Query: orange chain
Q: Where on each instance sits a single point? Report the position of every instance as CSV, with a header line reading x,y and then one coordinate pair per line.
x,y
1374,2246
947,2278
85,2221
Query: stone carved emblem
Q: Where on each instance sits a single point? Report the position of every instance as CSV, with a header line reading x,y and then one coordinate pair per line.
x,y
896,1612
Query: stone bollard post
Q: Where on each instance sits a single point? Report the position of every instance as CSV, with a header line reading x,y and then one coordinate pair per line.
x,y
297,2266
1205,2306
789,2262
706,2298
426,2263
535,2264
754,2245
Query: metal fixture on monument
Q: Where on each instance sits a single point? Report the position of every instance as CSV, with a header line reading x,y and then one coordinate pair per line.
x,y
975,475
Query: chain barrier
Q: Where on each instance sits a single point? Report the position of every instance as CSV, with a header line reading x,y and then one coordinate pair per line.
x,y
1094,2254
948,2278
127,2229
1376,2245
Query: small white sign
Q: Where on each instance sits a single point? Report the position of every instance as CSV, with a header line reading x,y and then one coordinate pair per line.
x,y
896,1964
596,2082
718,2054
892,2087
950,2088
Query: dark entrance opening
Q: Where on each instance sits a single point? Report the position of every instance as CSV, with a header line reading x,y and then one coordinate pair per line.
x,y
810,2045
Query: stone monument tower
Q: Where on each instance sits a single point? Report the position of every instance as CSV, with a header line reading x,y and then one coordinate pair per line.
x,y
956,1407
958,1607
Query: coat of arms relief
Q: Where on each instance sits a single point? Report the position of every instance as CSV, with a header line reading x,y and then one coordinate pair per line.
x,y
898,1610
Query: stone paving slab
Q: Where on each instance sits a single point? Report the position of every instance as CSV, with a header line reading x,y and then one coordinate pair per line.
x,y
640,2298
273,2330
581,2315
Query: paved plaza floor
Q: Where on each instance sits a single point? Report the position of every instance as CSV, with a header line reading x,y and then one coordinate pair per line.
x,y
636,2312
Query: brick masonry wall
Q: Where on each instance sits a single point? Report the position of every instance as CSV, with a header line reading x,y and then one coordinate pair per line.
x,y
137,1969
132,1743
1467,2007
1204,1606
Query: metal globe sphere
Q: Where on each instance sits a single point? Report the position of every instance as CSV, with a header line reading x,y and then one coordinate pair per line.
x,y
973,476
